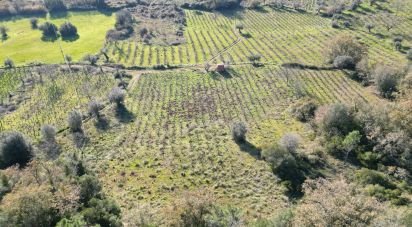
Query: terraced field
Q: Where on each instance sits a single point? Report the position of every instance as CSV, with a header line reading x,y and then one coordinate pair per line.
x,y
177,135
212,37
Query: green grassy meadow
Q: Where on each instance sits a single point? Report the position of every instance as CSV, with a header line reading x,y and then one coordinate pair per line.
x,y
25,45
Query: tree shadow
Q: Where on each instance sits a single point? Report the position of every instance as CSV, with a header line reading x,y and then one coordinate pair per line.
x,y
261,9
246,35
124,115
4,38
49,38
249,148
71,38
102,123
79,139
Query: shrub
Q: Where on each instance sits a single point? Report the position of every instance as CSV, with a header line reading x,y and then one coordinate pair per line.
x,y
48,133
335,24
103,212
30,207
386,80
337,120
344,62
143,32
239,131
3,31
92,59
239,26
347,24
117,96
345,45
124,19
94,108
68,30
367,176
279,157
75,121
14,149
89,188
290,142
49,29
409,54
68,58
34,23
369,26
9,63
335,203
305,110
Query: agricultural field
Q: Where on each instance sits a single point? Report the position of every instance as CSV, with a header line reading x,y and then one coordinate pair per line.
x,y
212,37
248,116
25,45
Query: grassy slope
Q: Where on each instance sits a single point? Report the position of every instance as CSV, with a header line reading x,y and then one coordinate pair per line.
x,y
178,136
25,45
278,35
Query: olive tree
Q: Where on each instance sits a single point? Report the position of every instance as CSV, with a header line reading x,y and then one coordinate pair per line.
x,y
74,121
239,131
117,97
344,45
34,23
14,149
386,80
239,26
67,29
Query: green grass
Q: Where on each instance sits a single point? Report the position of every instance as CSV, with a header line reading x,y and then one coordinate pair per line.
x,y
178,137
25,45
279,36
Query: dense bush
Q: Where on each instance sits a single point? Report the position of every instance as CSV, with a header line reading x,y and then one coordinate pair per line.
x,y
338,120
117,96
345,45
68,30
14,149
239,131
335,203
49,29
386,80
75,121
344,62
290,141
304,110
104,212
89,188
124,20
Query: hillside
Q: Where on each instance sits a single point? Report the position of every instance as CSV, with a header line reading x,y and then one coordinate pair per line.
x,y
166,114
